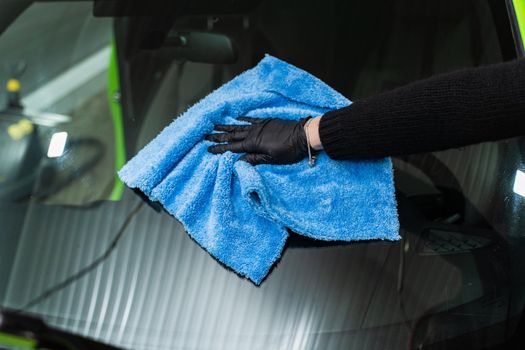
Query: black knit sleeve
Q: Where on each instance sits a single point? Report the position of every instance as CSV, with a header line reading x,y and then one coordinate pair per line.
x,y
444,111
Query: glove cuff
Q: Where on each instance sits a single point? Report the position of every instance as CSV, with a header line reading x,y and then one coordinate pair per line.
x,y
304,120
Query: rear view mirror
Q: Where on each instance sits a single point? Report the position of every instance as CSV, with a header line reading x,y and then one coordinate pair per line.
x,y
199,47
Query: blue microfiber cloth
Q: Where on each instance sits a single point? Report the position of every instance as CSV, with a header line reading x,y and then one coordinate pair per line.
x,y
238,212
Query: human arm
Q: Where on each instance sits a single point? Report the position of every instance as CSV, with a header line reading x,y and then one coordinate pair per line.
x,y
445,111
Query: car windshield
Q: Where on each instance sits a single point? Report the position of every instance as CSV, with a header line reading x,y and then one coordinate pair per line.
x,y
87,85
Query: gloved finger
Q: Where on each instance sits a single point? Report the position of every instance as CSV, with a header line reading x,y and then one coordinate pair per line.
x,y
231,128
227,137
251,120
236,147
256,158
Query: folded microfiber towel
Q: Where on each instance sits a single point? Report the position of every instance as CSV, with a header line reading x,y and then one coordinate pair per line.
x,y
238,212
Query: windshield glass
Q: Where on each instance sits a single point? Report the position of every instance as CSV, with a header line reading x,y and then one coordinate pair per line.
x,y
86,88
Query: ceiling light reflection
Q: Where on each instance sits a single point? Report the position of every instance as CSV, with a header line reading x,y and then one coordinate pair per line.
x,y
57,144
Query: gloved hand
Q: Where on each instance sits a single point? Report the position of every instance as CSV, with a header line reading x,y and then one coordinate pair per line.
x,y
265,141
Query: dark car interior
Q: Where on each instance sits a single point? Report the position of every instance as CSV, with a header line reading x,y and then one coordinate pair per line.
x,y
82,254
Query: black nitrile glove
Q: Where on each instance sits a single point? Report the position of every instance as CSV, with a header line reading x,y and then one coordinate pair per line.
x,y
265,141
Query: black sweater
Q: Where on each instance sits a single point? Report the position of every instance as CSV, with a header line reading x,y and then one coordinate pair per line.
x,y
446,111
